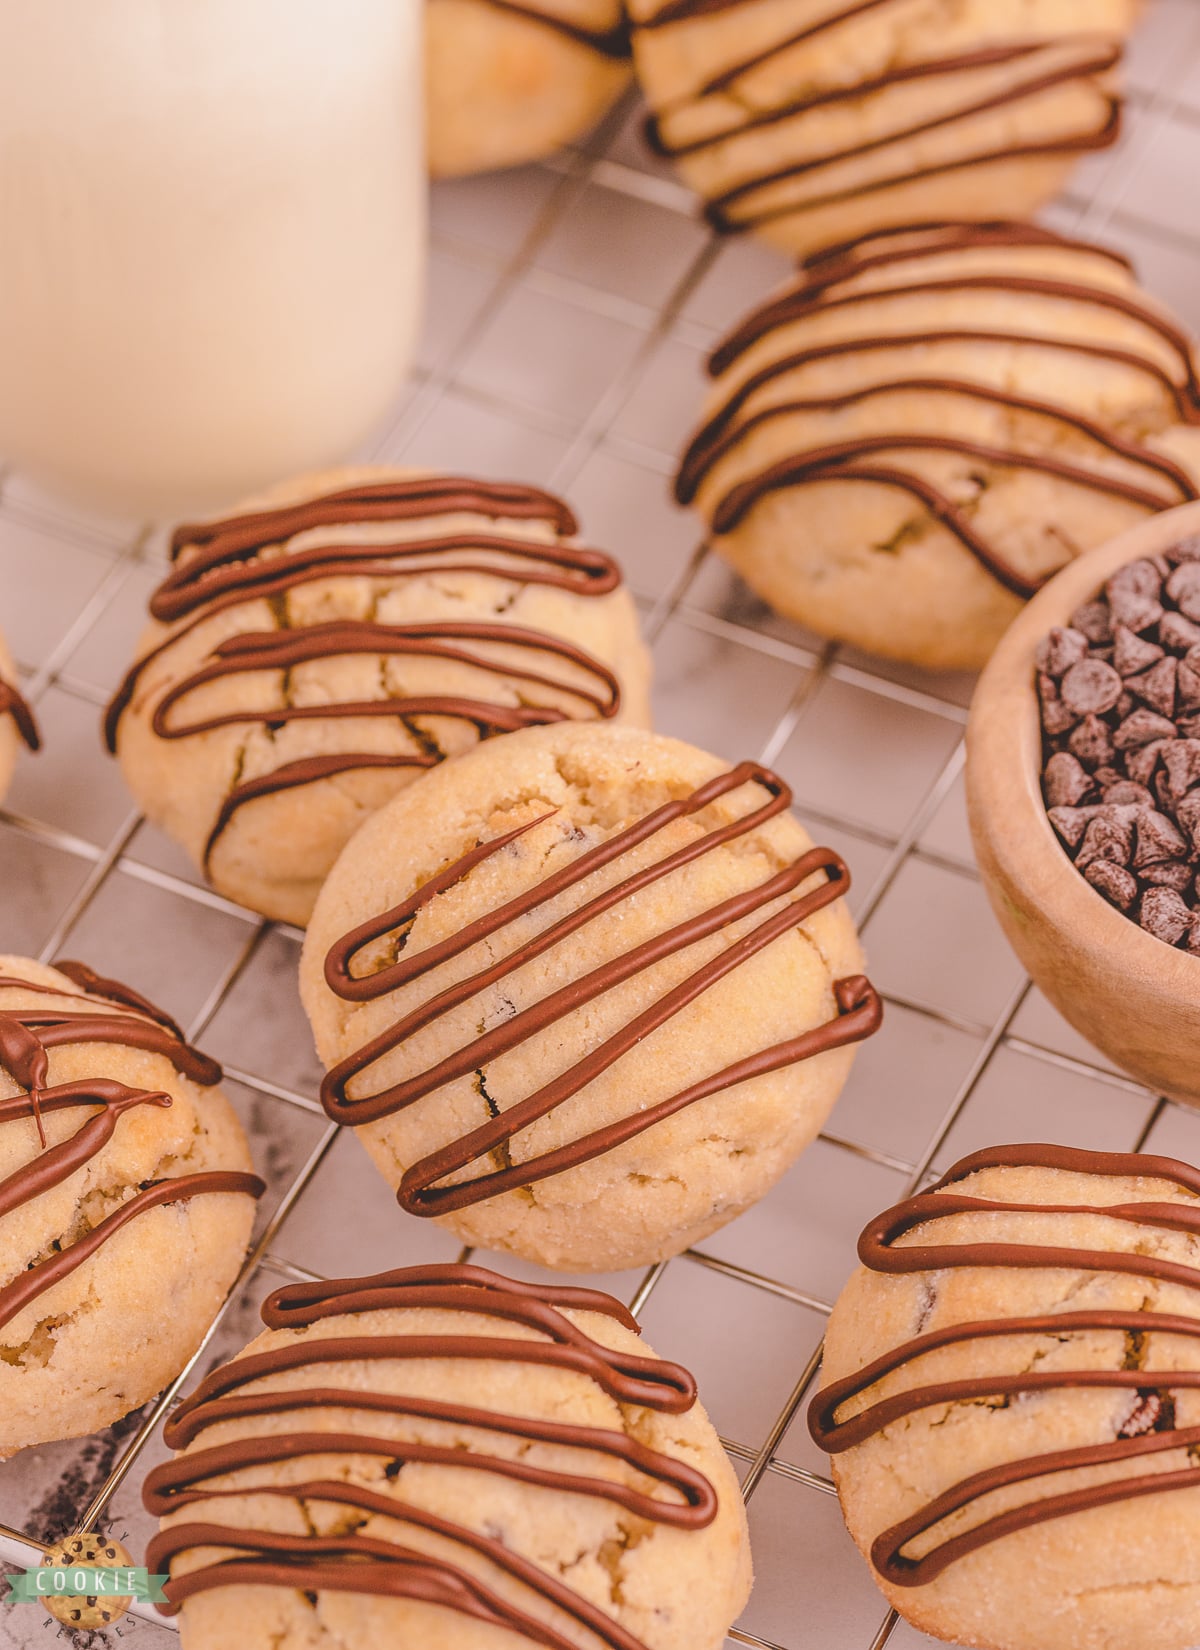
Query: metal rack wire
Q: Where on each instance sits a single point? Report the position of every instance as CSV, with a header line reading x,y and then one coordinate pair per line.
x,y
535,241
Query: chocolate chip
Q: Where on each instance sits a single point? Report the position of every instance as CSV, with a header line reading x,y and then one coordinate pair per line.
x,y
1141,763
1060,650
1152,1412
1139,612
1188,815
1136,578
1093,620
1056,718
1118,885
1183,588
1065,781
1156,687
1092,742
1172,874
1157,840
1142,727
1187,685
1178,633
1164,914
1070,823
1181,760
1090,688
1125,793
1132,653
1121,741
1106,837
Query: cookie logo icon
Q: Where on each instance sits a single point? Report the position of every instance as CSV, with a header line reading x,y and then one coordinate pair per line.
x,y
87,1581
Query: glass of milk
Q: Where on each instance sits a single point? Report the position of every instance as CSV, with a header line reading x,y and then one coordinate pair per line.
x,y
212,239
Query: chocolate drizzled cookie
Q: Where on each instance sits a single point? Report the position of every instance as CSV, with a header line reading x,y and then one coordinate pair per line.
x,y
913,435
465,1447
107,1116
555,990
18,725
821,122
508,81
1011,1397
311,657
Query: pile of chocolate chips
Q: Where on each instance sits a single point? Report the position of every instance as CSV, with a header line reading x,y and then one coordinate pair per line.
x,y
1120,698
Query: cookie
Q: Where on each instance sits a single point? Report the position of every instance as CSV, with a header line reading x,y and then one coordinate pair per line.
x,y
507,83
902,445
809,123
126,1200
314,653
585,994
1011,1393
17,723
441,1456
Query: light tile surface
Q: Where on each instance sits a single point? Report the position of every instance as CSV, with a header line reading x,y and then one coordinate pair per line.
x,y
571,308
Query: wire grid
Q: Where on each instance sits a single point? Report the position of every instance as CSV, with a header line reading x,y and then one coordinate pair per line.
x,y
570,304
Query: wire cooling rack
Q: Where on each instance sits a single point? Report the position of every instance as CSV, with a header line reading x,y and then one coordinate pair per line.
x,y
571,305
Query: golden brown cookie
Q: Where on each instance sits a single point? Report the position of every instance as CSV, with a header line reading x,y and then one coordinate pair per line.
x,y
17,723
904,443
317,651
126,1200
1011,1395
507,82
585,993
445,1458
815,121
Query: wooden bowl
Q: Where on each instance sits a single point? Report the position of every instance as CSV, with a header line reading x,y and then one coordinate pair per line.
x,y
1136,998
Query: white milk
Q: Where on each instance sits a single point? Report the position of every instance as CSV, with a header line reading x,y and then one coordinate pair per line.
x,y
212,238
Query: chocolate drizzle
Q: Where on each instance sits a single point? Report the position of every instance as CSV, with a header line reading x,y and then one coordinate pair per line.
x,y
422,1189
612,42
827,287
1150,1429
13,704
388,1568
742,110
247,559
27,1035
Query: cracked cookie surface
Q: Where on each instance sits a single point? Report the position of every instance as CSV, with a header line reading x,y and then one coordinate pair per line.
x,y
585,993
900,446
509,82
312,654
1011,1395
485,1463
126,1201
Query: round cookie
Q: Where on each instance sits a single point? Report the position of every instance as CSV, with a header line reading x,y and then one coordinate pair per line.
x,y
441,1456
314,653
17,723
903,444
507,83
586,994
1011,1392
816,123
126,1201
